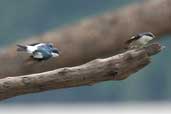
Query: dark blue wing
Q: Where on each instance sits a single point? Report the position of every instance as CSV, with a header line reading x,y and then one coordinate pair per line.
x,y
136,37
45,52
50,45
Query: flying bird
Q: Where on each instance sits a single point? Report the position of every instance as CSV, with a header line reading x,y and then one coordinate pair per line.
x,y
39,51
140,40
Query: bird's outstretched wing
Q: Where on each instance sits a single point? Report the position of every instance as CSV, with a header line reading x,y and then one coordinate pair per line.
x,y
134,38
33,44
48,44
41,53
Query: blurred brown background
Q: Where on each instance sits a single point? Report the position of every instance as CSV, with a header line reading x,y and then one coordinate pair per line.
x,y
92,33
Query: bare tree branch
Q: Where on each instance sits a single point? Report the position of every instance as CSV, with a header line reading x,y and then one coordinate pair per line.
x,y
117,67
92,38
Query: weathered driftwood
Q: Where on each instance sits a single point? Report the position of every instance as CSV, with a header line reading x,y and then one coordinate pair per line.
x,y
117,67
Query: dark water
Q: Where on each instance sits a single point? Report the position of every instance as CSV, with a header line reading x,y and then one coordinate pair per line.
x,y
20,19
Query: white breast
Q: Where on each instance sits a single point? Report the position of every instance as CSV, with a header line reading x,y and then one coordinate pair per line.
x,y
145,39
55,54
38,55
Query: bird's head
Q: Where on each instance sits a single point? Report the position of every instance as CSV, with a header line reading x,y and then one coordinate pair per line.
x,y
148,34
55,52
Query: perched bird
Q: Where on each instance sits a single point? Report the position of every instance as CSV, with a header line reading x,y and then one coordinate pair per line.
x,y
140,40
39,51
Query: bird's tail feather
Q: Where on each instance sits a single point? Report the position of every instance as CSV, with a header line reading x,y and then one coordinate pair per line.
x,y
21,47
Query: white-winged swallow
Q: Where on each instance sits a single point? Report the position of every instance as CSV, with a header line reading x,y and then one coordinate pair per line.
x,y
140,40
39,51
